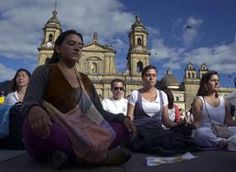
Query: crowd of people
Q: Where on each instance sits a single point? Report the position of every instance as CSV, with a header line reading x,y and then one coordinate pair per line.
x,y
70,124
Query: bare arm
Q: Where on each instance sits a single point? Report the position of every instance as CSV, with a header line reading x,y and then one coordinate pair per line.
x,y
130,122
166,120
39,119
197,111
130,111
36,89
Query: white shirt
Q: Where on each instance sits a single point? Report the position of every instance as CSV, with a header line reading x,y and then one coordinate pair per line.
x,y
150,108
115,106
12,98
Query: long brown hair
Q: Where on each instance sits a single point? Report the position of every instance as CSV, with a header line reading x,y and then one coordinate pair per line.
x,y
13,84
170,96
203,89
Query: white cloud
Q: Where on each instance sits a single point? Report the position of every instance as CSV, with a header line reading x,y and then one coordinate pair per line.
x,y
190,30
107,19
172,56
219,57
6,73
21,22
119,44
121,48
153,32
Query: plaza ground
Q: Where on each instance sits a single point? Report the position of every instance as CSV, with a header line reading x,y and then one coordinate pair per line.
x,y
207,161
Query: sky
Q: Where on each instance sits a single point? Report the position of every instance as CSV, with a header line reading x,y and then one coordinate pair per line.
x,y
179,31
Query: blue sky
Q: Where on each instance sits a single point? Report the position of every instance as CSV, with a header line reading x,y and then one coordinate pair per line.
x,y
180,31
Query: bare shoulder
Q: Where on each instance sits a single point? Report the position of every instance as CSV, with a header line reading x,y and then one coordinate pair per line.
x,y
197,99
197,102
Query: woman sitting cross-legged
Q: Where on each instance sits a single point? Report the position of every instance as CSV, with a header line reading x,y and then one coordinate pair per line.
x,y
211,108
64,119
148,108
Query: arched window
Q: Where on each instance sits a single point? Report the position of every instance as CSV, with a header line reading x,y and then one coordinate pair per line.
x,y
139,67
203,67
139,41
50,38
189,75
190,66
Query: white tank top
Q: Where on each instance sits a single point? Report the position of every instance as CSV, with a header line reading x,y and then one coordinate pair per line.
x,y
217,114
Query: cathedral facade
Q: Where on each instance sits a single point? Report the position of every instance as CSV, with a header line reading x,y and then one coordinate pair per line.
x,y
98,62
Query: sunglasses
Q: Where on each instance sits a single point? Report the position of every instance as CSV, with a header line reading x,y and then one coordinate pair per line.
x,y
118,88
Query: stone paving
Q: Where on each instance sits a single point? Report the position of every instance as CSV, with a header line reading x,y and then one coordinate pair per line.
x,y
207,161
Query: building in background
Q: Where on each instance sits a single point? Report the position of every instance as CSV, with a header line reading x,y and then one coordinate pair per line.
x,y
98,62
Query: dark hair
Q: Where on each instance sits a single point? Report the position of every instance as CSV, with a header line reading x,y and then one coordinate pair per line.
x,y
146,68
13,85
61,38
170,96
203,89
117,80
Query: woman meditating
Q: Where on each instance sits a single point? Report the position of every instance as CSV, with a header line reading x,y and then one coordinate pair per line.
x,y
64,118
148,108
211,108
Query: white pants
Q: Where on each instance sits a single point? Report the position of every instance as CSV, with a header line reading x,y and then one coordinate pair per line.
x,y
205,137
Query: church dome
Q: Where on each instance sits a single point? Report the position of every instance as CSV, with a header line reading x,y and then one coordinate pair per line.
x,y
170,80
53,22
138,25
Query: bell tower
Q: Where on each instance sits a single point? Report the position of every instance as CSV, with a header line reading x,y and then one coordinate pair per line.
x,y
138,55
190,72
203,70
51,31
